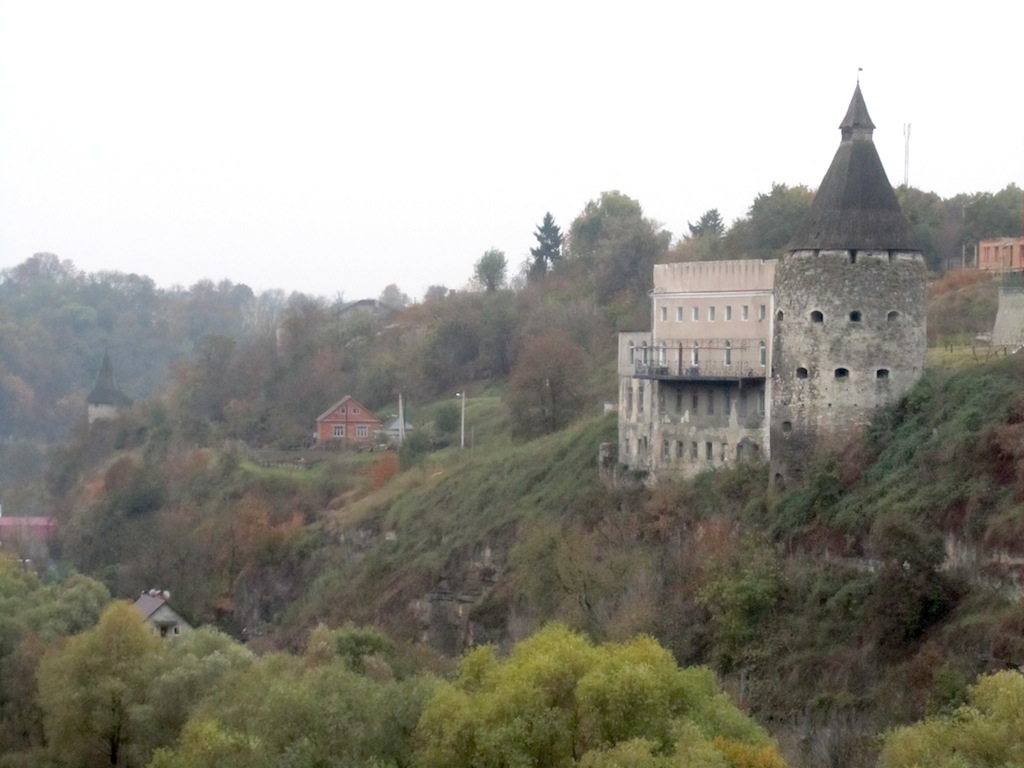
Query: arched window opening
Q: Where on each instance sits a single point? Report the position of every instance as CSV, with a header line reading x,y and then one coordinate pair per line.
x,y
855,316
779,315
842,373
817,317
801,373
787,426
882,373
893,316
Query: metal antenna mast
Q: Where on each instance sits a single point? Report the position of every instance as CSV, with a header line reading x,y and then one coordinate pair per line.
x,y
906,155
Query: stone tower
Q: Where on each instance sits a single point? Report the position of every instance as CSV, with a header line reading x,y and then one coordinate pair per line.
x,y
850,307
105,401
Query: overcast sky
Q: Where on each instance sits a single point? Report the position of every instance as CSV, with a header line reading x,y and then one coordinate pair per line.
x,y
337,147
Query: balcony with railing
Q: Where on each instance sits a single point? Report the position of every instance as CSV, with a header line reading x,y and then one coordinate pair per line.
x,y
700,359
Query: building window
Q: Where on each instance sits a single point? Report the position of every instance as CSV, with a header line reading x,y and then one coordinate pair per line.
x,y
728,312
355,409
679,449
882,373
342,409
679,314
842,373
695,313
741,406
679,401
728,353
709,451
762,312
746,312
640,398
711,403
664,314
762,354
853,257
725,451
893,316
787,426
632,353
629,399
362,430
693,451
801,373
728,403
855,316
711,314
817,317
779,316
694,356
694,402
339,430
760,402
666,449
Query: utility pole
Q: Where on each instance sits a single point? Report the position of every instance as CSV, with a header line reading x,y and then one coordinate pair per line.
x,y
462,429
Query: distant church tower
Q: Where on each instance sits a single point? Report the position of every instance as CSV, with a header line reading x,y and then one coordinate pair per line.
x,y
850,307
106,400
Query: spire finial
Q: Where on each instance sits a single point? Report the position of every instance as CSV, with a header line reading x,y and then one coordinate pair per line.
x,y
859,70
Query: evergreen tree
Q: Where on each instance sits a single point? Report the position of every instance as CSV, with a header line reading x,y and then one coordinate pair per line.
x,y
549,247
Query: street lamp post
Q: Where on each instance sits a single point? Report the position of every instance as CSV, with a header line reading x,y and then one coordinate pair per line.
x,y
462,428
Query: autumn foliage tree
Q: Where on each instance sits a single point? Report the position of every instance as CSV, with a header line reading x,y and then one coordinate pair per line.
x,y
547,388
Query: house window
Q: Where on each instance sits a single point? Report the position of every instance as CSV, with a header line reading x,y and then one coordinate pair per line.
x,y
342,409
711,314
362,430
339,430
355,409
679,314
855,316
746,312
709,451
693,451
728,403
762,354
728,312
177,630
695,314
817,317
728,353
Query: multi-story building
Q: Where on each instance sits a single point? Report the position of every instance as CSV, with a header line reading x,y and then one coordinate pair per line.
x,y
773,359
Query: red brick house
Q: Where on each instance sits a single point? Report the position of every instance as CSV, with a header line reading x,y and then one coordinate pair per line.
x,y
346,424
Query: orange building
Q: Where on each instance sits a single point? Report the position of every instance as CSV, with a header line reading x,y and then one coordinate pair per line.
x,y
347,424
1001,254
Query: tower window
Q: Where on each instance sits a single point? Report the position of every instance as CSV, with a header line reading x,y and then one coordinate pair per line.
x,y
801,373
882,373
817,317
842,373
893,316
853,257
778,316
855,316
787,426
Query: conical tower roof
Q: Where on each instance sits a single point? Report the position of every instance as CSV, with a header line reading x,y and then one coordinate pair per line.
x,y
855,207
106,392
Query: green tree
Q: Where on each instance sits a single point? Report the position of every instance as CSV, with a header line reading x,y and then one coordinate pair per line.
x,y
557,700
710,223
986,732
93,691
549,247
490,270
613,241
770,223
